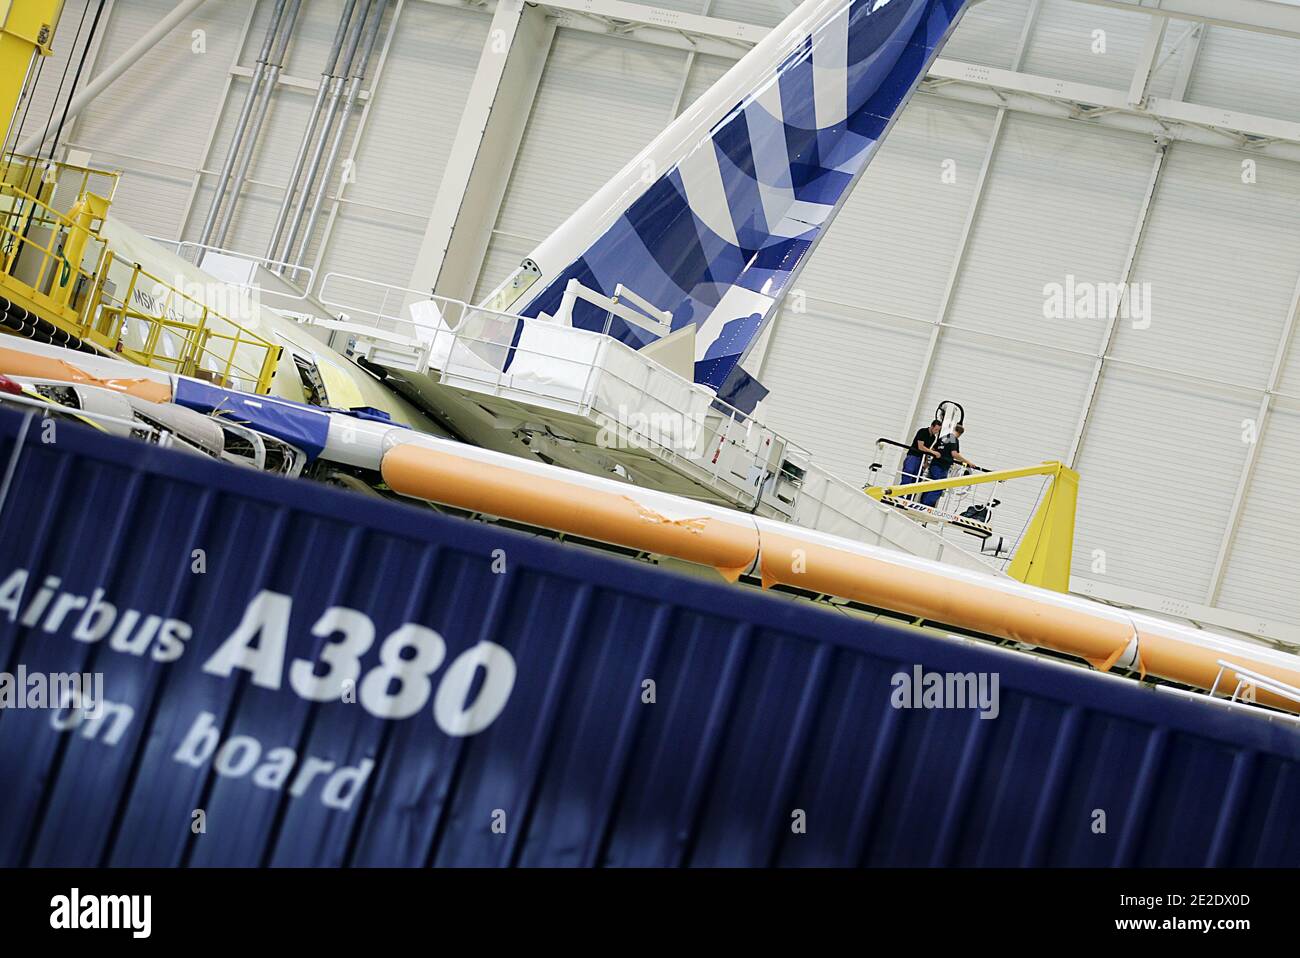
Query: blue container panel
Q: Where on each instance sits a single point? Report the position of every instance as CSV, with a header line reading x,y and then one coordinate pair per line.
x,y
763,709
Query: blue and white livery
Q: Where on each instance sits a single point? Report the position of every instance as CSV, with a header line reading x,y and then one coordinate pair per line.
x,y
715,219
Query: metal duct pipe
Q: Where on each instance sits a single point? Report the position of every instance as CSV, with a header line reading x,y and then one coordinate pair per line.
x,y
309,134
241,125
274,66
128,59
318,151
354,87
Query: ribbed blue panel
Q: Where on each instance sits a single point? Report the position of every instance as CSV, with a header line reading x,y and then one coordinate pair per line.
x,y
762,706
719,238
295,423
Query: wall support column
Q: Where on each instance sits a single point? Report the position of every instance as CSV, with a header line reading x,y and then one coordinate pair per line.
x,y
487,142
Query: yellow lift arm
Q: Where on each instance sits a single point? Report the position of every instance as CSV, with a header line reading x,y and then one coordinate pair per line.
x,y
1043,556
26,29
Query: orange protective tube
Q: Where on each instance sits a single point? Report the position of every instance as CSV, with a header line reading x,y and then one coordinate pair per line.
x,y
732,548
15,363
1169,658
938,598
424,473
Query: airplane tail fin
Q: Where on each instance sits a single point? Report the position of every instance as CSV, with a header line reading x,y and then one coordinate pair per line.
x,y
715,219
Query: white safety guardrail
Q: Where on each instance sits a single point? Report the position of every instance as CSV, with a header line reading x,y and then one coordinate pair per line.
x,y
195,253
1248,678
483,350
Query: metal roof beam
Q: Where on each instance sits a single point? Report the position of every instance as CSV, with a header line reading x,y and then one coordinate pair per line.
x,y
487,142
1010,89
1260,16
1157,116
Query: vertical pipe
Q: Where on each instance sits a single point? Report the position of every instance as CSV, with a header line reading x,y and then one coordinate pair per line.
x,y
318,151
354,88
274,65
309,133
241,125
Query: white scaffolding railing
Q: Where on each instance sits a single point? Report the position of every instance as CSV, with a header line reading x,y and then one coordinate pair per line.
x,y
644,408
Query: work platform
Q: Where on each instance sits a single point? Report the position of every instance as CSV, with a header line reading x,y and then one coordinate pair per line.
x,y
589,402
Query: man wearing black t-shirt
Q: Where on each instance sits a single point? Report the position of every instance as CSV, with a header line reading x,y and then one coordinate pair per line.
x,y
922,445
947,452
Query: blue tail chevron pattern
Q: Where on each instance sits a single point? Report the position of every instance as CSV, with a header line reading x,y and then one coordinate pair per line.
x,y
720,237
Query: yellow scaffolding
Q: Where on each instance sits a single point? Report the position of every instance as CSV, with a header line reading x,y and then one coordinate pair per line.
x,y
55,266
188,338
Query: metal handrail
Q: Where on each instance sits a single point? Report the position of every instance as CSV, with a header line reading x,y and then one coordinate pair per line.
x,y
730,424
179,246
713,437
14,239
197,329
1249,677
882,441
460,318
42,167
102,317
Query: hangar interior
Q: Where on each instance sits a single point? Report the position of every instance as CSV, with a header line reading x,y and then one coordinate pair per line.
x,y
489,411
1058,150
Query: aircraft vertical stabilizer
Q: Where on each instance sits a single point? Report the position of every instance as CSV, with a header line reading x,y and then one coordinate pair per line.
x,y
715,219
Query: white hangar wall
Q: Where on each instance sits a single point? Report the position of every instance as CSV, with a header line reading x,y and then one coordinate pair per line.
x,y
929,287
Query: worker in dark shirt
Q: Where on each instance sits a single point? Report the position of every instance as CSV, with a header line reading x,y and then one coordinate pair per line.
x,y
947,453
922,446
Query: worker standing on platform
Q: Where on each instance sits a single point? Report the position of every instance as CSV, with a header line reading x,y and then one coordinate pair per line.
x,y
921,447
947,452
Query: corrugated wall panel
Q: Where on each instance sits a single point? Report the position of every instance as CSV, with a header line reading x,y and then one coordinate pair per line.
x,y
1210,317
403,151
762,708
989,33
893,243
1290,380
767,13
174,94
1061,200
1247,71
412,125
372,245
851,387
1160,463
1066,44
705,71
1264,568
